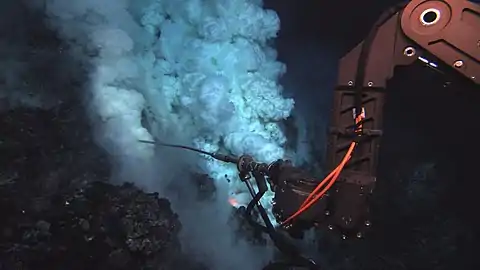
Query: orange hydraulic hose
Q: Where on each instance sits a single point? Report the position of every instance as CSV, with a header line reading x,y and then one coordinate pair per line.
x,y
331,178
317,188
347,156
336,173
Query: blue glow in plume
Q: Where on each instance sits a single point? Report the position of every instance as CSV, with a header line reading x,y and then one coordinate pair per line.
x,y
199,69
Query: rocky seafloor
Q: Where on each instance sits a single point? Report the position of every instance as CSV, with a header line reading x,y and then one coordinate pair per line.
x,y
58,209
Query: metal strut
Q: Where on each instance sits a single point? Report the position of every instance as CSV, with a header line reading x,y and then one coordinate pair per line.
x,y
248,167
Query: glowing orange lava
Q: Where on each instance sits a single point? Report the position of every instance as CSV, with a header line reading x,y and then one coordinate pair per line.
x,y
233,202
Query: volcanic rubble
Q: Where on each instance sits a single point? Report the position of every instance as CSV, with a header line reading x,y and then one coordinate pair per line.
x,y
58,210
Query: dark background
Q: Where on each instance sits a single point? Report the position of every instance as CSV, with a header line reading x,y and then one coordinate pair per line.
x,y
423,218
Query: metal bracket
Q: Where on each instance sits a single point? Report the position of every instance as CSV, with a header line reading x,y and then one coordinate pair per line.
x,y
388,49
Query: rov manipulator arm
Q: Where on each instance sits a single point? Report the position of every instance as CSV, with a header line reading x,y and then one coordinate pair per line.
x,y
248,167
447,30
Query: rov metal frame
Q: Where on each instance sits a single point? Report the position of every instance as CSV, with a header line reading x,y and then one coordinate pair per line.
x,y
448,30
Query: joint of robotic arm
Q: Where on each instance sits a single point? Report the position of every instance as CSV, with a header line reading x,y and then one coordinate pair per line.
x,y
247,166
449,30
371,63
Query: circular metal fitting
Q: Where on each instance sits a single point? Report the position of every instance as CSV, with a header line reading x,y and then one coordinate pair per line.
x,y
458,64
370,84
430,16
350,83
409,51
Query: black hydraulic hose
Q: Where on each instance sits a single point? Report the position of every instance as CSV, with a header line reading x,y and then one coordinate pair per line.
x,y
262,188
283,245
248,212
279,241
364,53
363,59
221,157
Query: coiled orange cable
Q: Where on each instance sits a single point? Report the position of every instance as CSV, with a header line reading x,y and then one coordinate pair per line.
x,y
331,178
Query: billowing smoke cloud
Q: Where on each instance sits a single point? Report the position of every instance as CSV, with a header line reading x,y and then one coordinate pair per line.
x,y
199,72
219,76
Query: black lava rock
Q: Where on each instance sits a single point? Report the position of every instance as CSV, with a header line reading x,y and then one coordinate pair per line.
x,y
99,226
57,209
